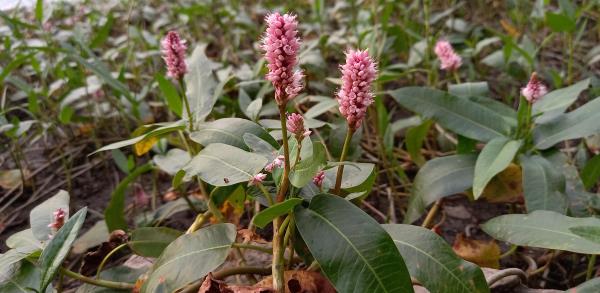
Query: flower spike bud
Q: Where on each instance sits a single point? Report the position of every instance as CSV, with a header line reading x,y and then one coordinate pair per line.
x,y
355,95
449,60
534,90
173,50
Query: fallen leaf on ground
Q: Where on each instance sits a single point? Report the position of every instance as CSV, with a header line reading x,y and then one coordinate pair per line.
x,y
301,281
480,252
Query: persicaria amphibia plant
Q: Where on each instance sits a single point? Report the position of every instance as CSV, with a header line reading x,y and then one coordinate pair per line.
x,y
449,60
173,50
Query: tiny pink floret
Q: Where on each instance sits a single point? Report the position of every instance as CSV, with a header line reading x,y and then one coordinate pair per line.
x,y
281,46
58,219
534,90
295,125
277,163
173,50
355,95
449,60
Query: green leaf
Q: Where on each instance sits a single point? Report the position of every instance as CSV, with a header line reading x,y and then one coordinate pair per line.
x,y
172,161
560,22
438,178
267,215
354,177
433,262
229,131
151,241
579,123
414,141
307,168
102,34
495,157
57,249
23,239
543,185
25,280
457,114
469,89
94,236
120,273
591,233
544,229
200,85
42,215
591,172
221,165
190,257
356,255
114,214
591,286
169,92
320,108
556,102
161,128
259,146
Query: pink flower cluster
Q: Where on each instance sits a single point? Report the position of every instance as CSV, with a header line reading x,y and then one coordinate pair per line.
x,y
534,90
448,58
58,219
173,50
277,163
355,94
318,179
281,46
295,125
258,178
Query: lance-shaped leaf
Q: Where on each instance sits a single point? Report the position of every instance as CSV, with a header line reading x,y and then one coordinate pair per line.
x,y
356,255
543,185
544,229
267,215
591,286
556,102
438,178
427,254
58,248
355,175
221,165
190,257
229,131
495,157
200,85
469,89
160,129
579,123
591,233
460,115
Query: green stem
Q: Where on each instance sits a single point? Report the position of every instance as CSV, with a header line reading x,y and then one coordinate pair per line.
x,y
340,171
97,282
187,104
266,193
253,247
286,154
590,267
101,266
199,221
284,225
456,76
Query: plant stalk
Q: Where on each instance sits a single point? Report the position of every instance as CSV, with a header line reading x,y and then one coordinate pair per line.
x,y
340,171
97,282
187,104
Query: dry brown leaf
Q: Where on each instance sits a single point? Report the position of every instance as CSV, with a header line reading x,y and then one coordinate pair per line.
x,y
301,281
509,28
10,179
247,235
507,186
144,146
480,252
210,285
230,212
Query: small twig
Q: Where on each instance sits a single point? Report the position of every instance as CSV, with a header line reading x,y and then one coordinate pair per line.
x,y
431,214
97,282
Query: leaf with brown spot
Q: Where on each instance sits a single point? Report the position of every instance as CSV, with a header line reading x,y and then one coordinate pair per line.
x,y
480,252
144,145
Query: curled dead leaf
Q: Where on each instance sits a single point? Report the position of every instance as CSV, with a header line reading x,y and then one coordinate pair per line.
x,y
507,186
480,252
302,281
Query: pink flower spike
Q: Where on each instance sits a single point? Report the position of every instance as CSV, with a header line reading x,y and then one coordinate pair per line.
x,y
173,50
534,90
58,219
281,46
448,58
318,179
258,178
295,125
355,95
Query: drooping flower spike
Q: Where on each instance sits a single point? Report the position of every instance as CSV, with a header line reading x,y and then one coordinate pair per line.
x,y
276,163
534,90
173,50
449,60
58,219
355,95
295,125
281,46
318,179
258,178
